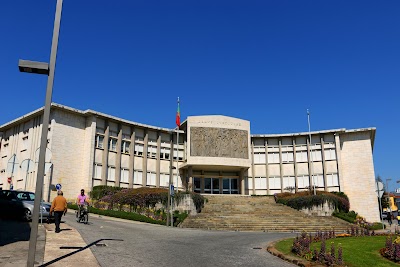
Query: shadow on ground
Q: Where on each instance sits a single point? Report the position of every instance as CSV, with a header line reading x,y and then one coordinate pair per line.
x,y
12,231
78,249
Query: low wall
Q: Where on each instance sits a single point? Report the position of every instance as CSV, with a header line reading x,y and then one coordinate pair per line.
x,y
322,210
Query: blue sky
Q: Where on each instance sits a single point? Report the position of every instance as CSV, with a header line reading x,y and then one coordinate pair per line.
x,y
263,61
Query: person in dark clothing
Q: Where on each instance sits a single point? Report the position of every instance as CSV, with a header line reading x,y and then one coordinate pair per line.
x,y
389,218
59,207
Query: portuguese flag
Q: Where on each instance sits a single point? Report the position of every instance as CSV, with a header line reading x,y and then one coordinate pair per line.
x,y
178,116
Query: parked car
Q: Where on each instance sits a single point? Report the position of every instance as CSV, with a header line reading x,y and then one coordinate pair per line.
x,y
19,204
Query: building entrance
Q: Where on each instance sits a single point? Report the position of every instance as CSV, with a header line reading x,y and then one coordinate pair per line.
x,y
213,185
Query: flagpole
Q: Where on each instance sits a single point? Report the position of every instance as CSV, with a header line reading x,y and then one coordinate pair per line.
x,y
311,157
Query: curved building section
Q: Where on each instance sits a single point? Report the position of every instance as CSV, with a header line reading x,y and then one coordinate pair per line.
x,y
214,155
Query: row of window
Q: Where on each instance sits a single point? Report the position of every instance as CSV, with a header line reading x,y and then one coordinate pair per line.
x,y
138,148
303,181
137,176
288,156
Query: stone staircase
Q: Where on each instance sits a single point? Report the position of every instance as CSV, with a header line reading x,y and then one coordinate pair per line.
x,y
247,213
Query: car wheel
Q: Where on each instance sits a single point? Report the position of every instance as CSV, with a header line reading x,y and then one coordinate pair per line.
x,y
27,215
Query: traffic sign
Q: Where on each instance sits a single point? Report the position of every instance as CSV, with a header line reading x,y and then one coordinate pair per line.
x,y
379,189
171,190
58,186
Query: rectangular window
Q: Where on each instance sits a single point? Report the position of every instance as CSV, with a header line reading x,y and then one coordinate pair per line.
x,y
259,158
332,179
151,178
99,141
287,156
124,175
316,155
164,153
164,179
152,152
137,177
288,181
301,156
111,174
330,154
260,183
180,154
273,157
97,171
138,149
274,182
113,144
303,181
125,145
318,180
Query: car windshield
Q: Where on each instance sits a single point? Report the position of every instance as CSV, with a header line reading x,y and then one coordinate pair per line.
x,y
27,196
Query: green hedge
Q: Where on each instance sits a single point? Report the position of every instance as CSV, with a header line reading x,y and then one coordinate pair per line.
x,y
306,199
120,214
100,191
350,216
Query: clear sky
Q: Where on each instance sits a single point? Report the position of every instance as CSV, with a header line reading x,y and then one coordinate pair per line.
x,y
263,61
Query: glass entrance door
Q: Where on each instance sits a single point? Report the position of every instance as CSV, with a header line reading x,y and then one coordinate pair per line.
x,y
230,186
211,185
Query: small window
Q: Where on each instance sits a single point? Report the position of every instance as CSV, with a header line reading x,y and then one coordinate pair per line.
x,y
99,141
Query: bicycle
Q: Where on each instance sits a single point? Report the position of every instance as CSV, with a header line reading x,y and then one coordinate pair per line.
x,y
82,214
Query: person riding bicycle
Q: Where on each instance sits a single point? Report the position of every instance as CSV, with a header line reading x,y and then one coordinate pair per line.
x,y
81,201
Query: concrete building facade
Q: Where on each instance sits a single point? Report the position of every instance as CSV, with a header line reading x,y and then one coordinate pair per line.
x,y
215,155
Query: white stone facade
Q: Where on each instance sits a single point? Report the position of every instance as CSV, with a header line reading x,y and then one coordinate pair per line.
x,y
90,148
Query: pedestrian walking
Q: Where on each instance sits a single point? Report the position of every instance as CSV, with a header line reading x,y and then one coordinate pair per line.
x,y
389,218
59,207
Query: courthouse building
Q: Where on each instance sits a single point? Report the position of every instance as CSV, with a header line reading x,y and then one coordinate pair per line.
x,y
215,155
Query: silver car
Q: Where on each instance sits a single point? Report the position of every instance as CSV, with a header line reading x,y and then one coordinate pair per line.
x,y
27,199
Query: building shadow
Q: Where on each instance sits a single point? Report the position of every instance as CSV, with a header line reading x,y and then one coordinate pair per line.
x,y
79,249
12,231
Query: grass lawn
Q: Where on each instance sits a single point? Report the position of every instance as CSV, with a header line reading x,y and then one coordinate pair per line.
x,y
357,251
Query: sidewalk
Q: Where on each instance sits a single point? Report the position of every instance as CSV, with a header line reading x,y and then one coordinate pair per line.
x,y
66,248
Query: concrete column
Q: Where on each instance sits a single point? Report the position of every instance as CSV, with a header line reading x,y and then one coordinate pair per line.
x,y
323,163
253,171
190,175
171,173
241,182
104,160
202,183
280,162
339,160
131,158
158,160
118,157
295,164
144,168
266,166
310,165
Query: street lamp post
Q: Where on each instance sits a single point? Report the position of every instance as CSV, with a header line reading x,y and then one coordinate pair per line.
x,y
47,69
387,191
311,157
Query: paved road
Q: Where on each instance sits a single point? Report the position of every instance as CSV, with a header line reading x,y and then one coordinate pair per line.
x,y
147,245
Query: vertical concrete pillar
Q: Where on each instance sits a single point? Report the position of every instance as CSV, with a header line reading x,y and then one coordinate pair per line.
x,y
241,182
310,165
158,160
131,158
280,163
339,160
323,163
266,166
104,160
190,175
295,164
144,168
253,169
118,157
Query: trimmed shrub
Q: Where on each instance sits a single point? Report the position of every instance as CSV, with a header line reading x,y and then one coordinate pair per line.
x,y
306,199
